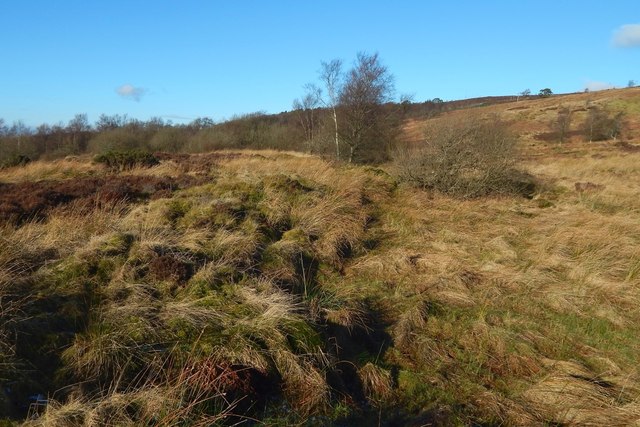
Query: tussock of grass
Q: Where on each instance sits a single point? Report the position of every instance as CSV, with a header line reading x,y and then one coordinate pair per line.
x,y
377,383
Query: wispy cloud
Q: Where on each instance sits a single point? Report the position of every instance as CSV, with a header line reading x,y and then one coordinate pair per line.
x,y
627,36
176,117
131,92
594,86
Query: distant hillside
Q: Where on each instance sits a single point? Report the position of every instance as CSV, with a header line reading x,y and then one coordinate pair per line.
x,y
532,116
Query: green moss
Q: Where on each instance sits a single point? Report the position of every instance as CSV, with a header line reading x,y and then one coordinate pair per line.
x,y
102,270
177,208
69,271
247,193
273,258
544,203
202,284
225,204
417,391
302,337
379,179
116,244
217,213
297,236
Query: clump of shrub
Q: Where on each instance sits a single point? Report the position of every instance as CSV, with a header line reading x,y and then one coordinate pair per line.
x,y
561,126
122,160
601,125
15,160
468,159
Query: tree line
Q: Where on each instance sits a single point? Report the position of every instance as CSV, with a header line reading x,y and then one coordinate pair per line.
x,y
351,118
119,132
348,114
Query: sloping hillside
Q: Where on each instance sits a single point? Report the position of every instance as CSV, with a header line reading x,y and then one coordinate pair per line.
x,y
532,117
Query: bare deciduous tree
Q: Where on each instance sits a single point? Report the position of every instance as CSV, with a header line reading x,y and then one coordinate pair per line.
x,y
601,125
367,87
78,129
561,125
331,76
525,93
306,109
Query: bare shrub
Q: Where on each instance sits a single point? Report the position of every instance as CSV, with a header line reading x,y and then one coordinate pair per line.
x,y
561,126
123,160
601,125
469,158
15,160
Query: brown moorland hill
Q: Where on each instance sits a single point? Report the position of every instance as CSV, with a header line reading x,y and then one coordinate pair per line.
x,y
531,117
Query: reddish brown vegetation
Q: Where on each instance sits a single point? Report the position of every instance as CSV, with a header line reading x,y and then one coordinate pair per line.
x,y
34,200
625,146
222,377
167,267
553,136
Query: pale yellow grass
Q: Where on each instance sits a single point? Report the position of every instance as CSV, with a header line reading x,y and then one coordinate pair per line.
x,y
72,167
35,243
165,169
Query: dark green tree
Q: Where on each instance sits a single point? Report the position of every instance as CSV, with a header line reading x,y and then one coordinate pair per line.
x,y
545,93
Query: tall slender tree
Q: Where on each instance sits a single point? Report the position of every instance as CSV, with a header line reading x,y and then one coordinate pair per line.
x,y
331,77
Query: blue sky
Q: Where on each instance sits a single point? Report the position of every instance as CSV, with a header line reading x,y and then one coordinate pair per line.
x,y
187,59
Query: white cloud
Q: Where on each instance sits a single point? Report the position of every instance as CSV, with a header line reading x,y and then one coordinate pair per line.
x,y
131,92
627,36
594,86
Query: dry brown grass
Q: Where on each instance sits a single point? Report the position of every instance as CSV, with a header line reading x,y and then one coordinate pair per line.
x,y
168,402
377,383
572,395
556,280
499,310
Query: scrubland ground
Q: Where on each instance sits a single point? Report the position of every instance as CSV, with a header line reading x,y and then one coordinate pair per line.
x,y
278,288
